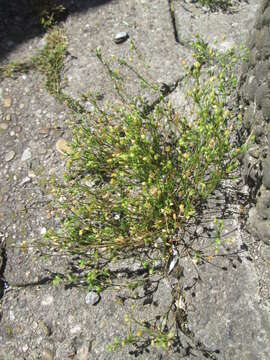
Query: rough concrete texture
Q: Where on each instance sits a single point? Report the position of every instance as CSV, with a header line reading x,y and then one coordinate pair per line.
x,y
227,297
222,30
256,99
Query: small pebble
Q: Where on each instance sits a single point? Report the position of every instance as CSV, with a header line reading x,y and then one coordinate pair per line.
x,y
48,300
92,298
8,117
121,37
24,181
26,155
12,133
63,147
9,156
3,126
7,102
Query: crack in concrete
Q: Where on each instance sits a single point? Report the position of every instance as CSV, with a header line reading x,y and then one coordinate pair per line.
x,y
165,90
3,263
171,9
44,281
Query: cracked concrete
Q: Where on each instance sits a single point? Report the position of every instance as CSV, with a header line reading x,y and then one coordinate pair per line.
x,y
222,30
227,313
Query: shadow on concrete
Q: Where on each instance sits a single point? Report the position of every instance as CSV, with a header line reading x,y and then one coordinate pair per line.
x,y
20,20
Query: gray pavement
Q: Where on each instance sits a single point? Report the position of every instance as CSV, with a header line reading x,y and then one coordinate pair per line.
x,y
227,314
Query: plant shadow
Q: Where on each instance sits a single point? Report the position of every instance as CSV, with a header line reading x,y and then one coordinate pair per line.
x,y
20,20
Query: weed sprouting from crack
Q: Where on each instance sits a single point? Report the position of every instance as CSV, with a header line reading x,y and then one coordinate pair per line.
x,y
50,59
134,179
148,173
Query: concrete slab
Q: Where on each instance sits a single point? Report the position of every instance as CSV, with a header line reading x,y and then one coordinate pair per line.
x,y
42,321
220,29
148,25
